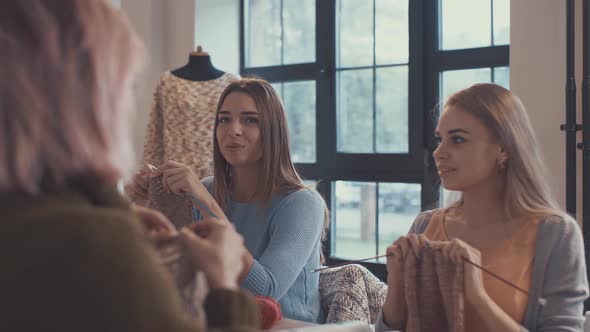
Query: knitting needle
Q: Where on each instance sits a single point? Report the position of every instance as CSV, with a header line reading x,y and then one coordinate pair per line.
x,y
496,276
465,259
349,262
201,205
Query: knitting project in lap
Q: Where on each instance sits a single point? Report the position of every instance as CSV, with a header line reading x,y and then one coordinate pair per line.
x,y
351,292
178,209
434,293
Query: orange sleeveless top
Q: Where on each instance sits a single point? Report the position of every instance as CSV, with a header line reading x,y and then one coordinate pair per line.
x,y
511,259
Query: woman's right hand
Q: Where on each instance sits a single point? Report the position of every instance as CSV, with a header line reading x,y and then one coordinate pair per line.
x,y
218,251
137,189
394,308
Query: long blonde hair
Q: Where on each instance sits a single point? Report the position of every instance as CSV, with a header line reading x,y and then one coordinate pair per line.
x,y
66,69
526,187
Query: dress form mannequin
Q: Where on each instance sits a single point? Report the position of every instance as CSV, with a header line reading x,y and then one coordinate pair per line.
x,y
198,68
183,114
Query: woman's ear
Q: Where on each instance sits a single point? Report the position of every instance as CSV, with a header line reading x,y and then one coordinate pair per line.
x,y
502,159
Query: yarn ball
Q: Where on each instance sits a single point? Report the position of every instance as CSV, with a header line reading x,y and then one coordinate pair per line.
x,y
270,311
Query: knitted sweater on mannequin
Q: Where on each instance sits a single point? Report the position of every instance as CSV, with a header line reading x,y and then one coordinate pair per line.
x,y
181,122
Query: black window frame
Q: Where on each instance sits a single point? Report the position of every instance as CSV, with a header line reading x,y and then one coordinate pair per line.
x,y
426,63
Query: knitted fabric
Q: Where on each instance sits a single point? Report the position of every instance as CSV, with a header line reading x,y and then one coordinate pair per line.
x,y
176,208
180,126
351,292
190,282
434,293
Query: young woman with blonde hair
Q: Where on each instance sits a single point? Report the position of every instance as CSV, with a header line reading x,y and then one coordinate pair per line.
x,y
506,221
75,255
256,187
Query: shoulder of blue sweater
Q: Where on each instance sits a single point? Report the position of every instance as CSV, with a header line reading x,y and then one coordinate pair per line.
x,y
208,182
307,198
304,194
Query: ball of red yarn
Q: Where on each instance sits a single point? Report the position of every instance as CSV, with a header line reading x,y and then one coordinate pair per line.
x,y
270,311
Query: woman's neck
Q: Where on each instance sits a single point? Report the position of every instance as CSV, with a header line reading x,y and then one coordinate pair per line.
x,y
484,204
244,184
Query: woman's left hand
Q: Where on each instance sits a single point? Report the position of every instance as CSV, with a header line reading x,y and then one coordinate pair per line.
x,y
458,251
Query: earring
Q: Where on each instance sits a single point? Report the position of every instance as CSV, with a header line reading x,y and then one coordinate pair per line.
x,y
502,164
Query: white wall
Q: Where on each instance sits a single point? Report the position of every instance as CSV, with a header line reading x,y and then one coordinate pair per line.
x,y
166,28
537,74
179,31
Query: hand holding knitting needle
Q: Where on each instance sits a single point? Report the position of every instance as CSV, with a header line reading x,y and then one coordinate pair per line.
x,y
458,252
158,228
137,188
394,308
219,254
181,179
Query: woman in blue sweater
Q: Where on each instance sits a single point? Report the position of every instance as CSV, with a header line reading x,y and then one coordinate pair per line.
x,y
256,187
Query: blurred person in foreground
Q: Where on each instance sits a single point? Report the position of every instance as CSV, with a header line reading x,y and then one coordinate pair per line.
x,y
75,255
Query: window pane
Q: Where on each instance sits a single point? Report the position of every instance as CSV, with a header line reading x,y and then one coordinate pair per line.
x,y
391,32
455,80
354,219
299,99
280,32
465,24
279,89
354,33
501,22
355,229
264,34
355,111
298,31
502,76
399,204
392,110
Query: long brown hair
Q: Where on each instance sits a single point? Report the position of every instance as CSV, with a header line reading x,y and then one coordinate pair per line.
x,y
278,172
278,169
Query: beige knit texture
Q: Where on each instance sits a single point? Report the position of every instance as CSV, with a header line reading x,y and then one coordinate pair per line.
x,y
190,281
434,293
181,122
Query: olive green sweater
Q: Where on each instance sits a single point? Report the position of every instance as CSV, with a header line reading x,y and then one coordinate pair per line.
x,y
77,260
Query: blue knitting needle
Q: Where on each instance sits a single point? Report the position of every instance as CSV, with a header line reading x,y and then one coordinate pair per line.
x,y
200,205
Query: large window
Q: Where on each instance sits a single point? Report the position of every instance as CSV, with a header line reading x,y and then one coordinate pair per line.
x,y
361,81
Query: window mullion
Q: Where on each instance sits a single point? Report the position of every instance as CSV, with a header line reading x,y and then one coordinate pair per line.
x,y
282,34
492,23
374,90
377,185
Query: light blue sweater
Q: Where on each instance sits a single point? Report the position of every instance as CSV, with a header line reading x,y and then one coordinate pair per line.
x,y
284,239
